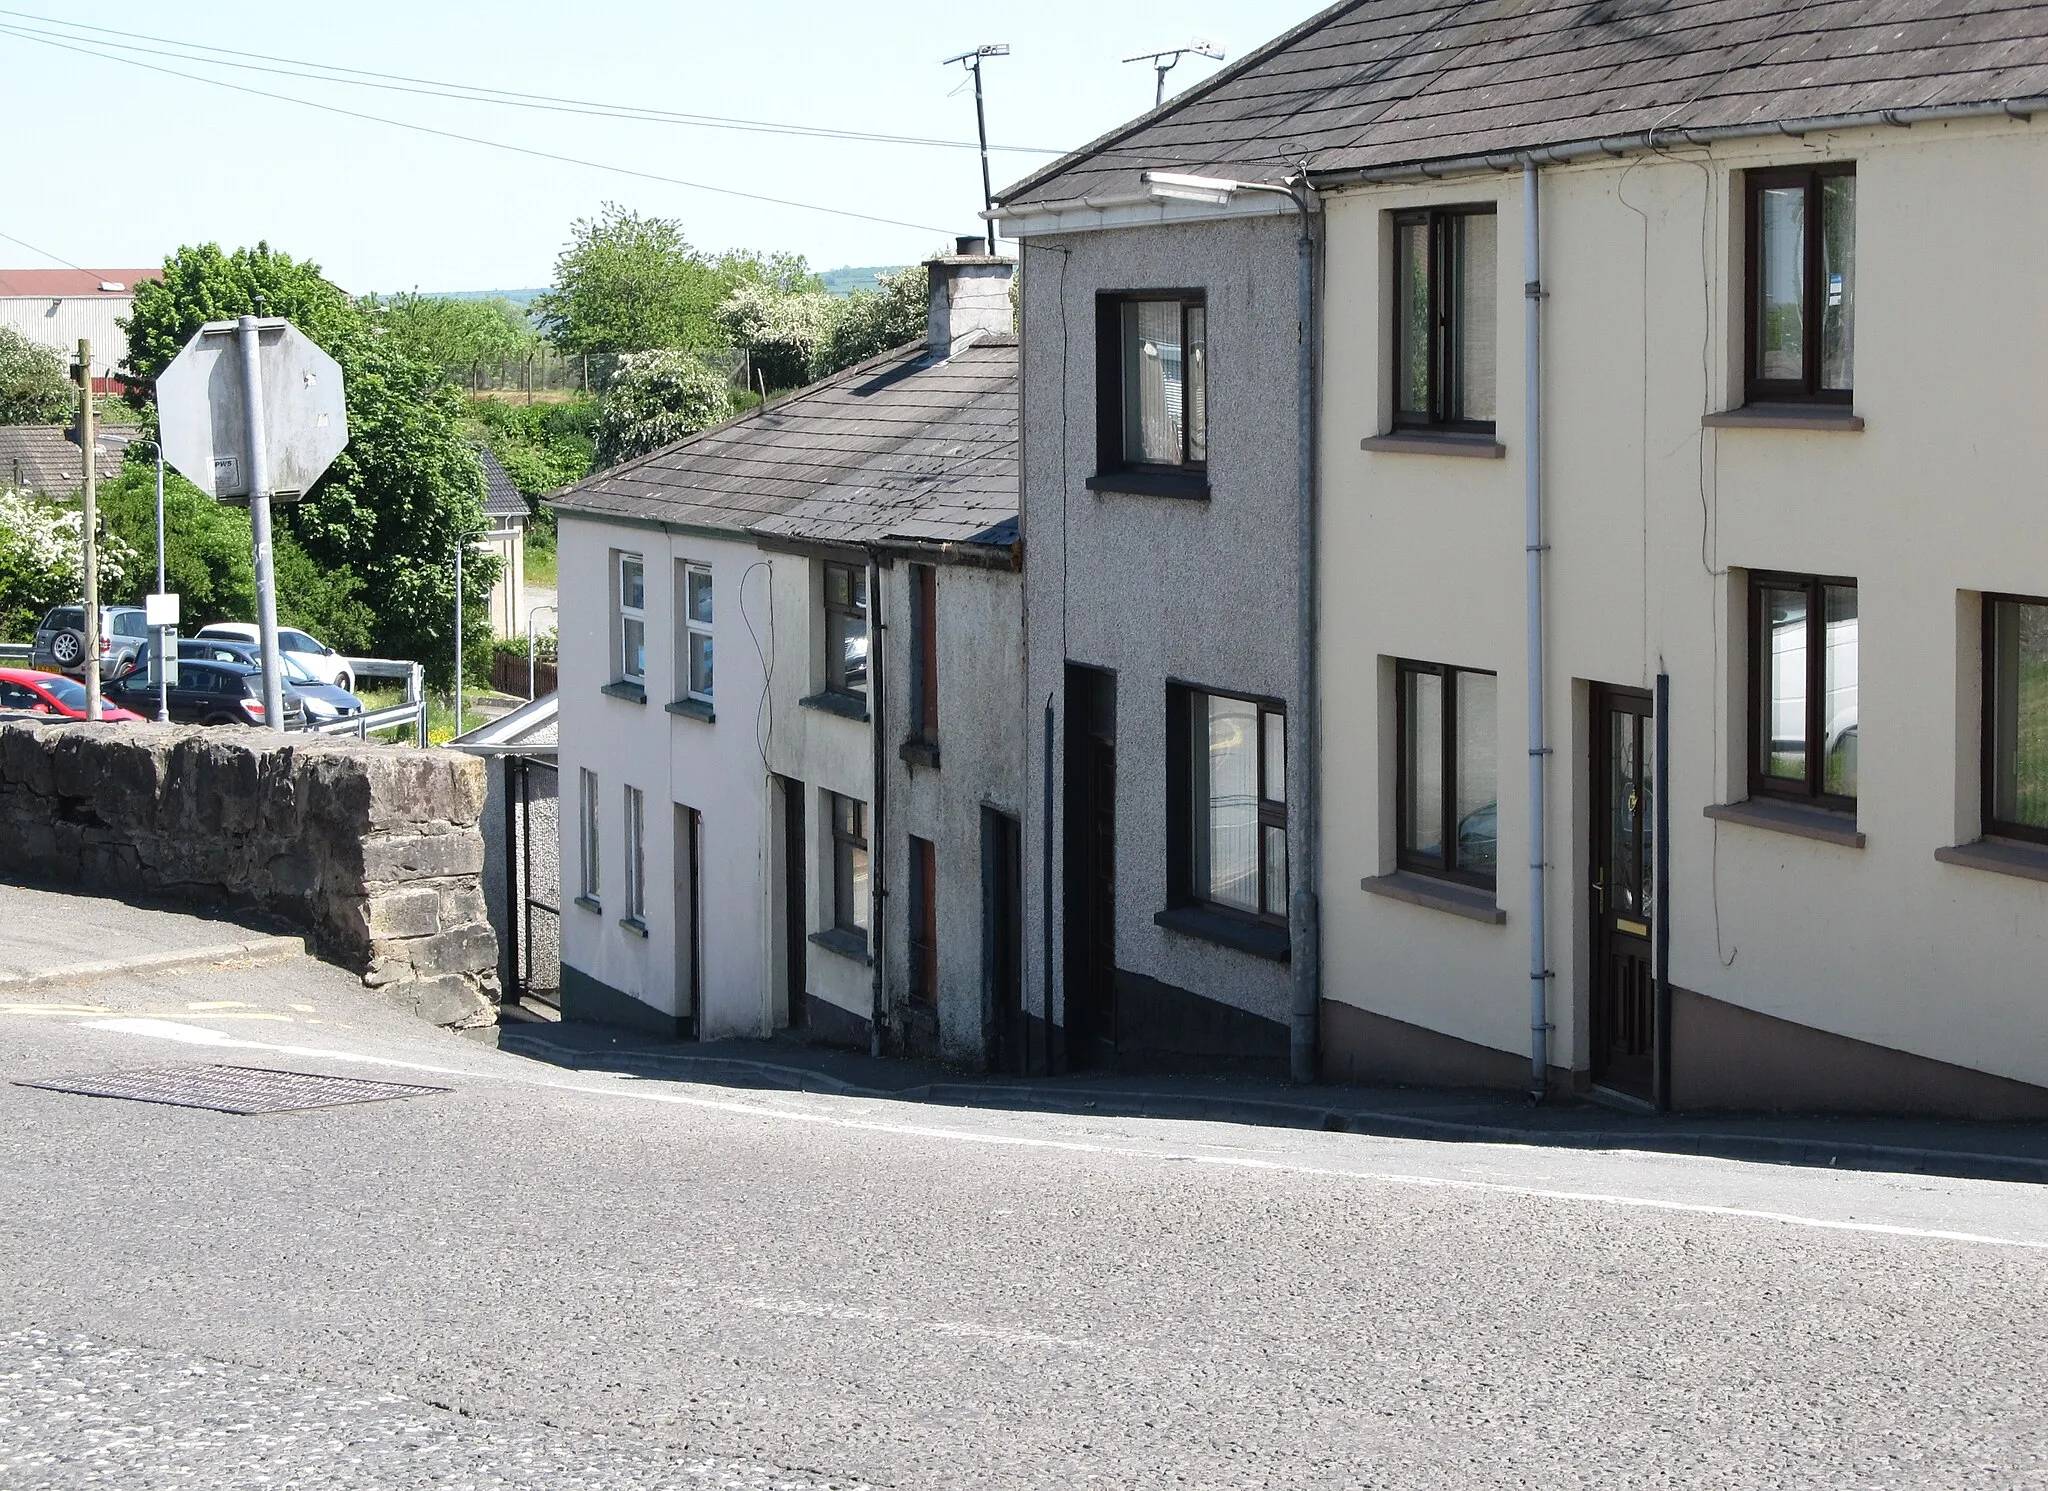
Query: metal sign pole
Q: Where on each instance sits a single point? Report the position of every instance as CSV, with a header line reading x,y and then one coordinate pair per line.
x,y
87,436
259,521
163,633
460,545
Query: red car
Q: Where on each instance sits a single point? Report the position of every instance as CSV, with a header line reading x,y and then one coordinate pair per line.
x,y
30,692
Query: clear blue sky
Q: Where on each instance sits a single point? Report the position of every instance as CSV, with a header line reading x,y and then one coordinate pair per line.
x,y
112,165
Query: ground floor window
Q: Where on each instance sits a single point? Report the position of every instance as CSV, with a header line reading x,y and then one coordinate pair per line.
x,y
1447,797
2016,717
636,855
1229,781
586,812
849,864
1802,688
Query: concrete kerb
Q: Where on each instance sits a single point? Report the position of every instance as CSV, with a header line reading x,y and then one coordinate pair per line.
x,y
253,950
1139,1103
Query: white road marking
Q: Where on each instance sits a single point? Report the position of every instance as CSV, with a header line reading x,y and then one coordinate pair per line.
x,y
196,1035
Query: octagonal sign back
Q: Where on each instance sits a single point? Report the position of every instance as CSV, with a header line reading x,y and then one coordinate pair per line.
x,y
205,420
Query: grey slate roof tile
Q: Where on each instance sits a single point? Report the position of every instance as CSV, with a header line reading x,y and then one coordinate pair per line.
x,y
37,458
906,446
1383,83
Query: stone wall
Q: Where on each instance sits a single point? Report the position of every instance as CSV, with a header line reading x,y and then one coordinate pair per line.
x,y
373,850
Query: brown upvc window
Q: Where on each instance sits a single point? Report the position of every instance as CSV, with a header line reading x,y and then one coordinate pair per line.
x,y
1801,272
924,641
1803,636
1447,767
1446,319
924,921
2016,717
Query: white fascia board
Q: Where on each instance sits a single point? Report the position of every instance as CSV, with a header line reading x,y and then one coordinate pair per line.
x,y
1092,214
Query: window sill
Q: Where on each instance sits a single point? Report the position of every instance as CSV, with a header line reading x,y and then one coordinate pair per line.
x,y
1999,857
920,753
1835,418
632,693
846,706
1829,825
1260,939
691,709
847,944
1424,443
634,925
1473,902
590,903
1190,485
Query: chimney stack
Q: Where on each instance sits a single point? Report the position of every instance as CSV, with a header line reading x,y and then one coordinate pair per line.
x,y
970,296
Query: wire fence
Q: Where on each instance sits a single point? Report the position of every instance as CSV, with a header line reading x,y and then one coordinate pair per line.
x,y
547,374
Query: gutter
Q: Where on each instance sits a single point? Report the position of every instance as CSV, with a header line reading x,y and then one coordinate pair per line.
x,y
2023,109
878,841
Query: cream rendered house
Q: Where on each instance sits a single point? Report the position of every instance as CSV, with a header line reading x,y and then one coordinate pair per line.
x,y
790,708
1683,634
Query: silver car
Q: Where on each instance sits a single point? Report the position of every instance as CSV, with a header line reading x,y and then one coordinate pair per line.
x,y
60,640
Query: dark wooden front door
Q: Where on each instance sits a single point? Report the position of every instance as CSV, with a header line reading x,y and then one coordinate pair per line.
x,y
1624,893
796,926
1002,940
1089,1016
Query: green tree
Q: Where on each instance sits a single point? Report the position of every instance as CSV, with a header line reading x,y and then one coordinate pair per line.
x,y
390,508
871,322
786,274
207,560
628,283
448,333
655,399
35,389
781,331
42,560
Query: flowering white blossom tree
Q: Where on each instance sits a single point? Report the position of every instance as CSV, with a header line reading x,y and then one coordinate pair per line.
x,y
42,560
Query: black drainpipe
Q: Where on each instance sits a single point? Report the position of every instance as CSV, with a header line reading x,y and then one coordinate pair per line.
x,y
878,843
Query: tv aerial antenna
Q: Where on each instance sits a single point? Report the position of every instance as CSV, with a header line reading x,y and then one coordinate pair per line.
x,y
972,62
1164,62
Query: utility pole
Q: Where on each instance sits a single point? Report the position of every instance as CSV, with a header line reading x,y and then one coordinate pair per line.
x,y
460,544
972,61
246,334
86,437
1164,62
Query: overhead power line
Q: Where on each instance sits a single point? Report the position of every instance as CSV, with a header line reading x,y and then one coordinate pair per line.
x,y
23,242
86,48
355,77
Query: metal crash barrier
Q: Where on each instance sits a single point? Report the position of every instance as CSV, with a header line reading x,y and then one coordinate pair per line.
x,y
412,712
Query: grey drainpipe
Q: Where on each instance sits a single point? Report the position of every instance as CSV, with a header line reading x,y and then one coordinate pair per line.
x,y
1533,546
1303,863
878,842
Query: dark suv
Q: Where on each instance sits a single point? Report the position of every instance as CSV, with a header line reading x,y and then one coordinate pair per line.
x,y
208,694
60,640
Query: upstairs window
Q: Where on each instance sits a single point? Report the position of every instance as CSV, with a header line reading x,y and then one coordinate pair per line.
x,y
1446,319
846,629
632,619
1152,374
1802,285
2016,717
695,650
924,644
1803,651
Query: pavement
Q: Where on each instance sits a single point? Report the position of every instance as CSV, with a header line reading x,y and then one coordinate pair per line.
x,y
613,1275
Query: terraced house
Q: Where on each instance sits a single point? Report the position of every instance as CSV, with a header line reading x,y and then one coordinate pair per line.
x,y
790,703
1676,407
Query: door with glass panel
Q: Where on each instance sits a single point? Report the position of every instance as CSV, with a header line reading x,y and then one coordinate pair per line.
x,y
1624,894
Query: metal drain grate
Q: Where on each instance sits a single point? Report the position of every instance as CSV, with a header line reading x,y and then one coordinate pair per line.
x,y
234,1089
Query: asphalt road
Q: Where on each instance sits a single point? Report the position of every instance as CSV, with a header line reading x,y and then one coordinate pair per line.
x,y
544,1278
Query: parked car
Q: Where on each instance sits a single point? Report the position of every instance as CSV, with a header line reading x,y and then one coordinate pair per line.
x,y
209,693
60,640
323,701
32,692
315,656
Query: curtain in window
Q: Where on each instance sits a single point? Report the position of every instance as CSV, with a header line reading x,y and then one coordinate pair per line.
x,y
1233,802
1838,282
1153,381
1474,327
1781,274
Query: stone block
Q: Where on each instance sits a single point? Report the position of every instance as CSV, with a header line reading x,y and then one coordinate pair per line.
x,y
452,1001
472,949
421,857
404,913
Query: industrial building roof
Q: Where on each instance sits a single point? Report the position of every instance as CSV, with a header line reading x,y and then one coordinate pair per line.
x,y
31,283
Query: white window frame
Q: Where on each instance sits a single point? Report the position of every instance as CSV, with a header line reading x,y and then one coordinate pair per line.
x,y
626,613
587,812
636,856
692,629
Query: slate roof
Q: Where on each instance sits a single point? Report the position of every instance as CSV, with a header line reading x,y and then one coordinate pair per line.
x,y
501,497
1390,83
37,458
904,447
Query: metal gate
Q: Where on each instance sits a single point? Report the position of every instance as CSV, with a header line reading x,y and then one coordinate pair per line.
x,y
533,879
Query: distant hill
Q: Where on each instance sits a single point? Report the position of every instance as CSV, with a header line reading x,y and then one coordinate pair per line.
x,y
517,297
846,281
